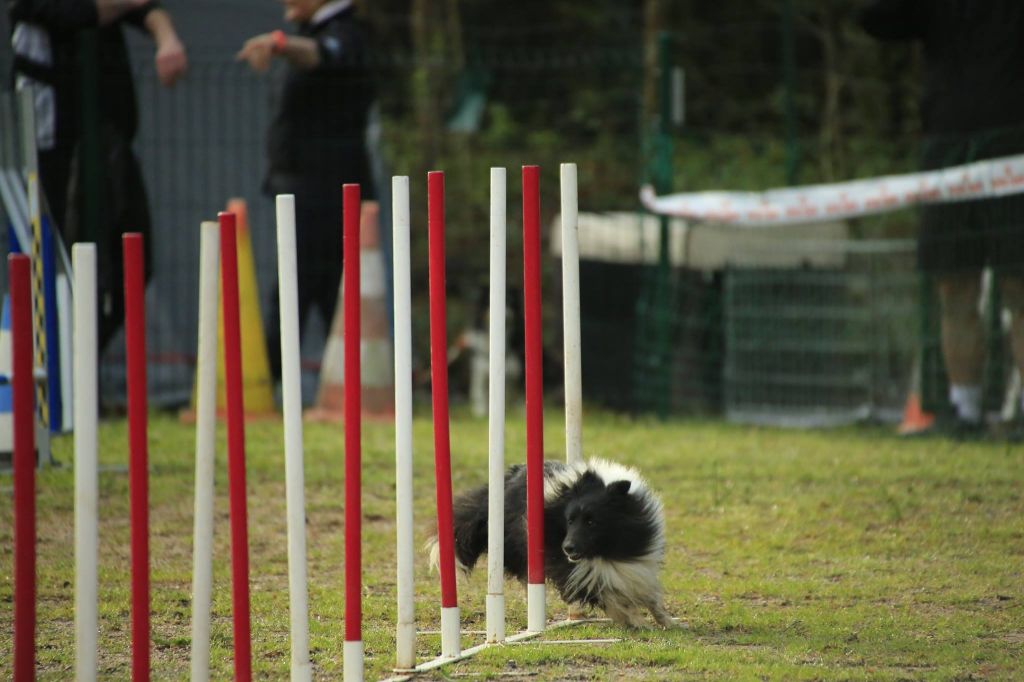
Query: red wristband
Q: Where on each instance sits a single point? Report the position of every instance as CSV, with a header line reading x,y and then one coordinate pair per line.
x,y
280,41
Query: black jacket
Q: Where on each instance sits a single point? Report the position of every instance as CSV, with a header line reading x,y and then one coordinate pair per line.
x,y
974,58
317,134
63,21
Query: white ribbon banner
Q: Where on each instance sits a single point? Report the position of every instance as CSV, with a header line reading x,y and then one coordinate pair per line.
x,y
817,203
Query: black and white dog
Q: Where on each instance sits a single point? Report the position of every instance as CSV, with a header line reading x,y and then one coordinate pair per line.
x,y
604,536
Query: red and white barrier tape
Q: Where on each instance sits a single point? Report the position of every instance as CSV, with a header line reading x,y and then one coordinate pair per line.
x,y
814,203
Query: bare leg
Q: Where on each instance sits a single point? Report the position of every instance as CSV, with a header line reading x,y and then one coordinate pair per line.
x,y
1012,288
963,338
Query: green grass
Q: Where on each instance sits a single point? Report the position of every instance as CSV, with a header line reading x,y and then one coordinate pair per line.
x,y
839,554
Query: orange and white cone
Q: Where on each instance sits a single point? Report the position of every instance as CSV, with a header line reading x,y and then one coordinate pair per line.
x,y
375,346
915,419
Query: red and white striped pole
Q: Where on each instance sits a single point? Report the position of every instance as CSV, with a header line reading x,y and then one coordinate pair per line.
x,y
536,615
138,462
23,462
450,644
236,448
353,654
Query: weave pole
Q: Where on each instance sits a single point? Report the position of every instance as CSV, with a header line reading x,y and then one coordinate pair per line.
x,y
450,643
405,635
138,462
236,448
206,431
23,462
291,394
571,315
496,416
353,653
86,360
536,617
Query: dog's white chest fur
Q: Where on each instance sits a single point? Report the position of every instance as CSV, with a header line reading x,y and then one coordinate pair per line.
x,y
622,584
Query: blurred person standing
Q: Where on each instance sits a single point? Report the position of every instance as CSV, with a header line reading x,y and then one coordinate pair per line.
x,y
972,108
53,41
316,141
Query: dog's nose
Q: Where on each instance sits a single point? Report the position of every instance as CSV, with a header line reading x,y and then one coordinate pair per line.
x,y
568,547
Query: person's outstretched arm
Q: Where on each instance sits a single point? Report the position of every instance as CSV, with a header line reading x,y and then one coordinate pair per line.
x,y
170,58
298,50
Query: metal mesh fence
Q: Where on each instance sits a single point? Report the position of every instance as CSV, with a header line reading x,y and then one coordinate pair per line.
x,y
203,143
794,327
819,345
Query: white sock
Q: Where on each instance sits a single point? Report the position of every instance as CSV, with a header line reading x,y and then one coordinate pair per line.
x,y
967,401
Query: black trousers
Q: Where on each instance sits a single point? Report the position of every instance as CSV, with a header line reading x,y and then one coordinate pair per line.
x,y
123,207
318,242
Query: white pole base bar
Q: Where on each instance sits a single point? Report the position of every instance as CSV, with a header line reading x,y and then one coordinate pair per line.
x,y
520,638
495,618
353,661
451,646
536,616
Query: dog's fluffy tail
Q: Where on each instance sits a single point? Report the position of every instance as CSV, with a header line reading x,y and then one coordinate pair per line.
x,y
470,526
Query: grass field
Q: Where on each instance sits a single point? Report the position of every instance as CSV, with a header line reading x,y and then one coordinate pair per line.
x,y
839,554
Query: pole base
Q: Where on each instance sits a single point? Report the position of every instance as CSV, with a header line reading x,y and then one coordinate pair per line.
x,y
451,645
353,661
536,615
495,618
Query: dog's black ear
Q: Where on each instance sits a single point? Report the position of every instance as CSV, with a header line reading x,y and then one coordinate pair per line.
x,y
619,488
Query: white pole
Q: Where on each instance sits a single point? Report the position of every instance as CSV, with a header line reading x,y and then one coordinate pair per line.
x,y
496,417
291,394
571,316
405,650
86,476
206,428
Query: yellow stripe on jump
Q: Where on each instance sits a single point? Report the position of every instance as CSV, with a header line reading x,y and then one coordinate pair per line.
x,y
39,297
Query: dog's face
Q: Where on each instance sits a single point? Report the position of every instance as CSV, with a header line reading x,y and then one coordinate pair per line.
x,y
591,520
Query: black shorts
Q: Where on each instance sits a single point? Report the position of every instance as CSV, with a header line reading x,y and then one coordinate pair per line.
x,y
970,235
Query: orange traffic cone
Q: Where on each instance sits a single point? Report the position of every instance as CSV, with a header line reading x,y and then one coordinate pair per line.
x,y
375,354
257,387
915,419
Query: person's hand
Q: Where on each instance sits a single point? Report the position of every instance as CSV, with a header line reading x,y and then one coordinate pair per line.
x,y
171,61
258,52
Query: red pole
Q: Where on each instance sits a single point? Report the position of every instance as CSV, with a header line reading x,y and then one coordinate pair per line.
x,y
24,465
138,462
353,455
236,448
534,378
439,387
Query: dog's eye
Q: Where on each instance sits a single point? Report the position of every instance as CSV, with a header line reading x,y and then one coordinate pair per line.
x,y
590,522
